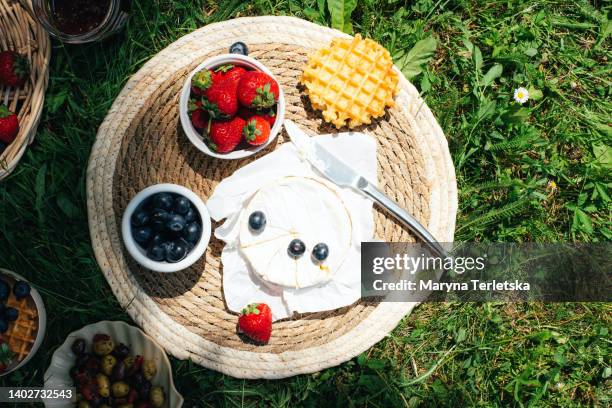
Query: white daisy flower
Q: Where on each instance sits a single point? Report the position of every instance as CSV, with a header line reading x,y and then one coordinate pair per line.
x,y
521,95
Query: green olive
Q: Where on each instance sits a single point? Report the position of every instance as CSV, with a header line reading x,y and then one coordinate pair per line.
x,y
157,396
108,363
126,406
103,346
149,369
103,385
128,362
105,406
120,389
84,404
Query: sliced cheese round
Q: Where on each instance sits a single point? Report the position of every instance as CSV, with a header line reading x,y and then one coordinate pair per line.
x,y
304,208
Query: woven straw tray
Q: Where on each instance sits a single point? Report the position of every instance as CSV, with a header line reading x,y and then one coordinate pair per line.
x,y
19,31
140,143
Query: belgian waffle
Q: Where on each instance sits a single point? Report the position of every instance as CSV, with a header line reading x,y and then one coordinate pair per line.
x,y
22,332
351,80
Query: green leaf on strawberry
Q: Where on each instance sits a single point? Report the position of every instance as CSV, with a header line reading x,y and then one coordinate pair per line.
x,y
6,354
202,80
264,98
224,68
212,109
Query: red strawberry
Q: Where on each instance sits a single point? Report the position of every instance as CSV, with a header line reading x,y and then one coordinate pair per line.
x,y
257,90
269,116
257,131
255,322
225,135
228,72
246,113
220,100
201,81
14,68
199,117
9,125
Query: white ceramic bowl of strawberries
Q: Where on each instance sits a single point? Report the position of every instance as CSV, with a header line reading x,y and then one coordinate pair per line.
x,y
231,106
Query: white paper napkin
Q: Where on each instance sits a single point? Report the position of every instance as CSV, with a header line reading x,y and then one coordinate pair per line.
x,y
240,285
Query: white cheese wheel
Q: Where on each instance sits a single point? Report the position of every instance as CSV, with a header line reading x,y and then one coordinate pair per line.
x,y
305,208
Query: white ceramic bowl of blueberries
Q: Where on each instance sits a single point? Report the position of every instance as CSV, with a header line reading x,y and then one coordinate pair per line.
x,y
166,228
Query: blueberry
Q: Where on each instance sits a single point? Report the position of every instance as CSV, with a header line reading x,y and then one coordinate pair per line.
x,y
142,235
3,146
239,48
320,252
193,232
296,248
157,239
2,308
163,201
175,251
156,252
181,205
186,244
5,290
176,223
140,217
3,325
11,314
191,215
158,219
257,221
21,290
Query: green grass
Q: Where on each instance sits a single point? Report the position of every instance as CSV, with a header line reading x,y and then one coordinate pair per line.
x,y
538,173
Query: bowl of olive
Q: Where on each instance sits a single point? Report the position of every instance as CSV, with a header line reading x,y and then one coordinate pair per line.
x,y
112,364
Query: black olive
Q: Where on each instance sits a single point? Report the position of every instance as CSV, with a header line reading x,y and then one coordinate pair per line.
x,y
92,365
78,347
137,380
145,390
121,351
118,372
82,359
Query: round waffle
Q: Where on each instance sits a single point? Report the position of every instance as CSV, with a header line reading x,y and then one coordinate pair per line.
x,y
351,80
21,334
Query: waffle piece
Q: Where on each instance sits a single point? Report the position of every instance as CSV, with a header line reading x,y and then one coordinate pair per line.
x,y
22,332
351,80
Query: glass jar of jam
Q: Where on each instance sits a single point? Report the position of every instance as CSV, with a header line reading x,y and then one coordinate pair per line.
x,y
81,21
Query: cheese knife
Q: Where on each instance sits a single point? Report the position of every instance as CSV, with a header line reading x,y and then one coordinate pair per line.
x,y
343,175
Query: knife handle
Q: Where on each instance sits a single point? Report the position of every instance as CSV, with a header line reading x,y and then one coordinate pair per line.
x,y
402,215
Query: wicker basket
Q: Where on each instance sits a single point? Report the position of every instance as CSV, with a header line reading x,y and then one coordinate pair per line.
x,y
20,31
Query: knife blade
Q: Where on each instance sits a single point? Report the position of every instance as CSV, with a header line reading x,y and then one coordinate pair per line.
x,y
343,175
